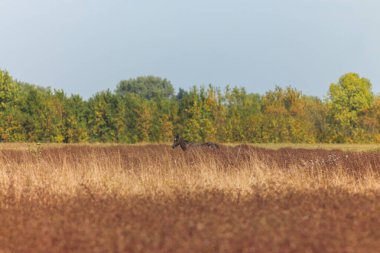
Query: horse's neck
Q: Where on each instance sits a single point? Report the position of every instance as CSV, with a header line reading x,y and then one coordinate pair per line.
x,y
186,142
190,143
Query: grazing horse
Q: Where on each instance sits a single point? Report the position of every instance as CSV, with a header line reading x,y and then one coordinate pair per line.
x,y
184,144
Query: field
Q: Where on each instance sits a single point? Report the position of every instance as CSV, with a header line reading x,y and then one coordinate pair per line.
x,y
150,198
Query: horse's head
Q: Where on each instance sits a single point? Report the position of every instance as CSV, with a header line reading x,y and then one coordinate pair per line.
x,y
179,141
176,141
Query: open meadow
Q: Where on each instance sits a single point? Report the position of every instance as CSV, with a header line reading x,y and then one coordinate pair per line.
x,y
151,198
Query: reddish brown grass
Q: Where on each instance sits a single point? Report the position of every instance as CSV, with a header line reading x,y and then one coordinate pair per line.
x,y
154,199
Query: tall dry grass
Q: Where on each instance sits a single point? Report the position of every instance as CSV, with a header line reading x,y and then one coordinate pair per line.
x,y
155,199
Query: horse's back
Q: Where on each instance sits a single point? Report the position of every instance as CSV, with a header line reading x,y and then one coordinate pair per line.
x,y
211,145
184,144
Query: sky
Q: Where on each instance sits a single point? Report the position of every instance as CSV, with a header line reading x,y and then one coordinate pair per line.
x,y
85,46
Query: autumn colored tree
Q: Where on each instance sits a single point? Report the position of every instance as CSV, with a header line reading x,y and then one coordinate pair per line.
x,y
163,116
285,117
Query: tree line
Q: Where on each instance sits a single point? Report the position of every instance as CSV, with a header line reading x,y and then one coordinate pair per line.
x,y
147,109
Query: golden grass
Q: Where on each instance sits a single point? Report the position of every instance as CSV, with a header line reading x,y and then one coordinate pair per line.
x,y
150,198
327,146
275,146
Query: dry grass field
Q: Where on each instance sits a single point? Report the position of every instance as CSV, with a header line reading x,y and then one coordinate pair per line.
x,y
150,198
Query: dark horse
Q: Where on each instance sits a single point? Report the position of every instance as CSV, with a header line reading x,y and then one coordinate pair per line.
x,y
184,144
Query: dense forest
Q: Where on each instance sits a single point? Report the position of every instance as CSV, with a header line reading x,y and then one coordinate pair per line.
x,y
147,109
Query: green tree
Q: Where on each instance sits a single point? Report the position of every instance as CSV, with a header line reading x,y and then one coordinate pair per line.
x,y
8,90
348,102
101,116
10,114
133,118
147,87
35,113
75,127
190,113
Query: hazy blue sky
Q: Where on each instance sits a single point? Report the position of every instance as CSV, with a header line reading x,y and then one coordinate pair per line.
x,y
84,46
